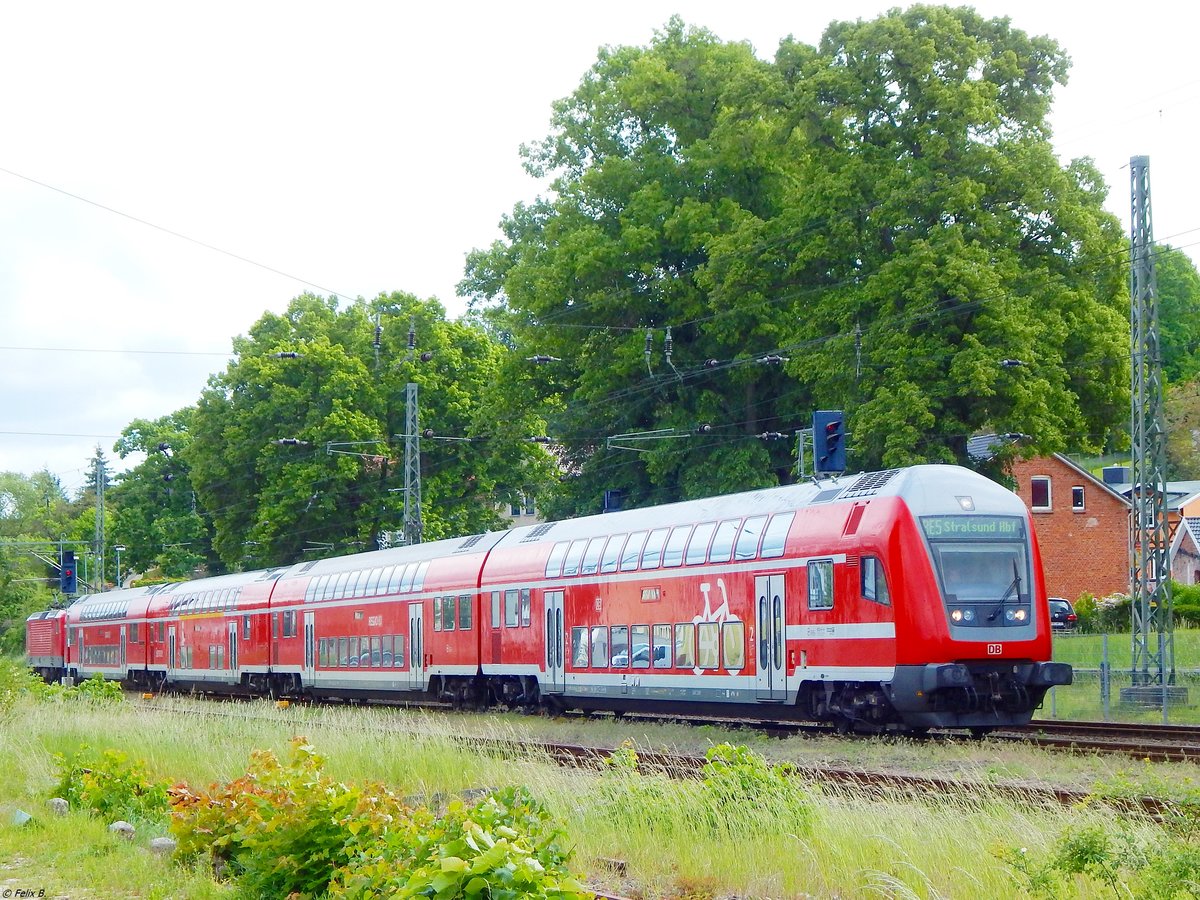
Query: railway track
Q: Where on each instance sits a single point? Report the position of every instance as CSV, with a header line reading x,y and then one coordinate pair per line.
x,y
1157,743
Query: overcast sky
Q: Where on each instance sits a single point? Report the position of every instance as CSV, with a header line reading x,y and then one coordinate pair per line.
x,y
365,147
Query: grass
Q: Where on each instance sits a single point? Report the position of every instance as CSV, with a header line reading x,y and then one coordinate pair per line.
x,y
1084,700
675,839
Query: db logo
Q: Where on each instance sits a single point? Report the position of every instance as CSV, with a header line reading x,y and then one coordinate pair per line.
x,y
995,649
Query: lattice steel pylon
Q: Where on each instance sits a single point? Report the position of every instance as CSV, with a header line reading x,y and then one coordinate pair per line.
x,y
412,467
1153,657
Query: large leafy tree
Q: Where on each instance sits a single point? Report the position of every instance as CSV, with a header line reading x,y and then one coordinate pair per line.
x,y
884,210
157,518
1179,313
298,446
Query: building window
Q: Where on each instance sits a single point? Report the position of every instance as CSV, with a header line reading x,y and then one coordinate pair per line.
x,y
1077,498
1039,490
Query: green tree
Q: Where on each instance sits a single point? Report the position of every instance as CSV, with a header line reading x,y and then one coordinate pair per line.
x,y
1178,313
297,447
156,517
885,211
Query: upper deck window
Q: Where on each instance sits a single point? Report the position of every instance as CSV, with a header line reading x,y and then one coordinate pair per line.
x,y
612,553
574,555
633,551
555,560
652,555
591,559
722,545
748,537
673,554
697,548
777,532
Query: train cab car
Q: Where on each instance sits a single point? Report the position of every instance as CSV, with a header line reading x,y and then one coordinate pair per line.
x,y
870,601
46,643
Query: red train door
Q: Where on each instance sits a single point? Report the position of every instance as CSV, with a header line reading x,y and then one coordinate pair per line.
x,y
233,646
556,669
771,628
416,648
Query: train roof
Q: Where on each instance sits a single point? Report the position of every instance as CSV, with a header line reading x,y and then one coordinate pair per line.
x,y
926,489
474,543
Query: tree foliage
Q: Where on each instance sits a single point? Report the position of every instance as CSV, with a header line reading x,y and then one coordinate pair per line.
x,y
885,211
298,446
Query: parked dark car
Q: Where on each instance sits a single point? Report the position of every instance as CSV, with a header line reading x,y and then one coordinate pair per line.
x,y
1062,615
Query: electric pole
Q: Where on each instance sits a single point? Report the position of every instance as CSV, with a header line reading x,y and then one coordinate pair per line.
x,y
412,467
1153,659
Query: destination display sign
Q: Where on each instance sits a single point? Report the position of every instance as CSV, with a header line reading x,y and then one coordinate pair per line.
x,y
1005,527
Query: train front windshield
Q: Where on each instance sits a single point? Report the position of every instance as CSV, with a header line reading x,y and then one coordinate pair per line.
x,y
982,565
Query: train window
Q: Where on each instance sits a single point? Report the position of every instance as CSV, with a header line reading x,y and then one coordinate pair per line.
x,y
339,589
353,652
697,548
376,651
574,555
386,645
599,647
777,532
316,588
673,554
512,613
874,583
406,580
322,653
495,609
612,553
733,645
245,629
162,630
747,541
419,579
579,647
364,656
525,604
394,580
133,633
372,587
447,613
640,641
685,645
820,584
437,613
591,559
662,646
358,584
709,640
464,612
633,551
385,579
289,623
555,561
343,652
652,555
620,646
398,651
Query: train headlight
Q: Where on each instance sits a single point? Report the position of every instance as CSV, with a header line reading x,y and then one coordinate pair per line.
x,y
968,615
1021,615
956,615
1010,615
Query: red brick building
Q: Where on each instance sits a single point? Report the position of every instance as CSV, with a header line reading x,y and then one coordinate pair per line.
x,y
1082,526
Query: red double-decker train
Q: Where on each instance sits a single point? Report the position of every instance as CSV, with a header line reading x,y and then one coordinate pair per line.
x,y
906,598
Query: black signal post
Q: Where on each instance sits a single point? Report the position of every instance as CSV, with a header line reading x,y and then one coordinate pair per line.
x,y
829,440
67,581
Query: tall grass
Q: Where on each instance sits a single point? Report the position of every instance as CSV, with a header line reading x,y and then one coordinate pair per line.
x,y
748,835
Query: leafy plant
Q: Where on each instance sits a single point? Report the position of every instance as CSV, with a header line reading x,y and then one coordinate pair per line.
x,y
504,846
108,785
282,828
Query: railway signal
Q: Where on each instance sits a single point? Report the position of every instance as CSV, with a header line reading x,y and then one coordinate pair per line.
x,y
67,581
829,440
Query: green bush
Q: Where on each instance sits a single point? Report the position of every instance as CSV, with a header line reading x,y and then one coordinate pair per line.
x,y
282,828
504,846
108,785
